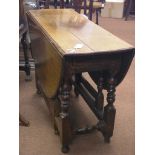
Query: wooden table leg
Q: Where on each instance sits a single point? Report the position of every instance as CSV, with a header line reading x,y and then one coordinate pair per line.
x,y
109,110
100,96
27,64
65,128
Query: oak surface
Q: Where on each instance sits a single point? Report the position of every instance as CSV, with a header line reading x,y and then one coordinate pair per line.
x,y
75,29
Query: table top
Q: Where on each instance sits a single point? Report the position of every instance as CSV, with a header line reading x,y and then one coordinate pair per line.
x,y
72,33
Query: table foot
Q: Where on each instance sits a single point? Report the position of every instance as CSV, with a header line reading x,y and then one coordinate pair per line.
x,y
107,139
65,149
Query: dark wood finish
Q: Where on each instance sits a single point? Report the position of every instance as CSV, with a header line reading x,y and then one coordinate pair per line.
x,y
110,111
65,128
43,4
54,34
129,8
23,29
76,83
26,58
100,97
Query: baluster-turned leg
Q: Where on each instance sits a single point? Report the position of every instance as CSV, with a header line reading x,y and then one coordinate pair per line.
x,y
101,126
65,131
25,50
109,110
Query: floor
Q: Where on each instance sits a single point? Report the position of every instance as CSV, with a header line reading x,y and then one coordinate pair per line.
x,y
39,138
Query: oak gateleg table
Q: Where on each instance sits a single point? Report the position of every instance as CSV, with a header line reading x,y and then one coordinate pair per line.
x,y
64,45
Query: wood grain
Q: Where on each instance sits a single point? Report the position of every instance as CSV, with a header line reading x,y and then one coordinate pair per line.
x,y
70,28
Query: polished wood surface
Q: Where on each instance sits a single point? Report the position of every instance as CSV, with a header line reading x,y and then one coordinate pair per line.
x,y
64,45
75,29
48,61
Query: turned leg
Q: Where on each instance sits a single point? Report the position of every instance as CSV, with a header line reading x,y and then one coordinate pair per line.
x,y
65,131
109,110
27,64
101,125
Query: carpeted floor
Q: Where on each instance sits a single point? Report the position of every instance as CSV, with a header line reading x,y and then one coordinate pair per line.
x,y
39,138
